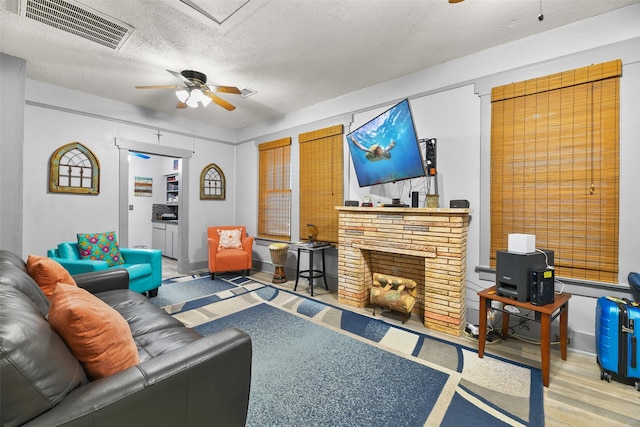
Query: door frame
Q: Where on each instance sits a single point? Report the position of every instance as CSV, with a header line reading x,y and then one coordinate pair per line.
x,y
124,147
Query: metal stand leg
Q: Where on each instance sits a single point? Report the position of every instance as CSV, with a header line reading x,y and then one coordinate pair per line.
x,y
297,271
311,272
324,272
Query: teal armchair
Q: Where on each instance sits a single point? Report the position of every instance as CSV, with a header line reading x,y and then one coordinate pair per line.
x,y
144,265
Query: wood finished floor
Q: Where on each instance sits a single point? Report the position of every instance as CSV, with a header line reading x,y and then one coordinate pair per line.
x,y
575,397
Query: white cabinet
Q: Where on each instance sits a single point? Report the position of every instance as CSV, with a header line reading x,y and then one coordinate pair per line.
x,y
158,235
165,237
172,241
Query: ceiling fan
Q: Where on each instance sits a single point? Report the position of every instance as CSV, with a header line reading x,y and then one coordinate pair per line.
x,y
196,90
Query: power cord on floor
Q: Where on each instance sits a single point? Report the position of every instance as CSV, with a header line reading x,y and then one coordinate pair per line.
x,y
471,333
527,340
493,337
523,323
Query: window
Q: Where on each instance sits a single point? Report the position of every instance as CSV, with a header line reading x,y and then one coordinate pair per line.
x,y
274,198
212,183
321,181
73,168
555,168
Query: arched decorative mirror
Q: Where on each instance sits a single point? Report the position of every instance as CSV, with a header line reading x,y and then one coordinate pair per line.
x,y
212,183
74,168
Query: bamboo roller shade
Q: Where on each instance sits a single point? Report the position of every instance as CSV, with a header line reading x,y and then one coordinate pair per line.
x,y
555,168
274,190
321,181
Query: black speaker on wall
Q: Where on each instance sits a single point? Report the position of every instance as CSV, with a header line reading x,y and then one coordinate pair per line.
x,y
414,199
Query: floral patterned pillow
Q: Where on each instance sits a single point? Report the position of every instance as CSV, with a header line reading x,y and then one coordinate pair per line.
x,y
230,239
100,247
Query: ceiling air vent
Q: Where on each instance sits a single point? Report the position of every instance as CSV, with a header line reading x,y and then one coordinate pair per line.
x,y
246,92
79,20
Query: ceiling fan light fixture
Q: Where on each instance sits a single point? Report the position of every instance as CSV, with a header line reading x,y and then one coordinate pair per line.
x,y
205,100
192,101
197,96
195,90
182,95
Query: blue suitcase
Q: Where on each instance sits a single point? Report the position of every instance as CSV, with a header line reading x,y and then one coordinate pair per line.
x,y
617,339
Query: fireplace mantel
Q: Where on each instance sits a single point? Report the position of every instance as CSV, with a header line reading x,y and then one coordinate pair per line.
x,y
427,244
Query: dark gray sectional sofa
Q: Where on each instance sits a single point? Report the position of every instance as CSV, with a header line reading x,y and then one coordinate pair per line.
x,y
183,379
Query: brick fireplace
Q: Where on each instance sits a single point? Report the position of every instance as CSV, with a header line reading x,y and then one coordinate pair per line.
x,y
428,245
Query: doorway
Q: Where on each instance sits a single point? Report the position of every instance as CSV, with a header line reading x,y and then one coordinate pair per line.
x,y
125,147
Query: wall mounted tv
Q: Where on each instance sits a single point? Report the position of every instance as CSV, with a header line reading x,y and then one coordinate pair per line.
x,y
386,148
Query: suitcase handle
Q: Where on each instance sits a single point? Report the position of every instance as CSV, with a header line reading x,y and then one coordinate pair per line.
x,y
634,347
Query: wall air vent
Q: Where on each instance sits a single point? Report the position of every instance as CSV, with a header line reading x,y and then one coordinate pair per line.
x,y
79,20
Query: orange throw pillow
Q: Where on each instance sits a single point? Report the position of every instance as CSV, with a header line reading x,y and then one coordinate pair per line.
x,y
48,273
97,335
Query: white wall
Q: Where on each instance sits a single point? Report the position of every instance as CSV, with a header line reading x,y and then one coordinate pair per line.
x,y
629,239
12,88
50,218
450,116
206,213
245,185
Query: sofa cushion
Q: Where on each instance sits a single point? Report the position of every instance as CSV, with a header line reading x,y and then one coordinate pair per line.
x,y
21,281
230,239
100,246
38,370
9,259
48,273
141,316
166,340
153,330
97,335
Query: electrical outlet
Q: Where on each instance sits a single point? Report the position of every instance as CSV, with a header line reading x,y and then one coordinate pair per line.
x,y
557,339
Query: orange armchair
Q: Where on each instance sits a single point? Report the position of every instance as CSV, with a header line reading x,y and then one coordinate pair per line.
x,y
230,249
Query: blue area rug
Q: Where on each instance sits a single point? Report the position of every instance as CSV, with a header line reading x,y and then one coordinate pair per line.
x,y
319,365
188,288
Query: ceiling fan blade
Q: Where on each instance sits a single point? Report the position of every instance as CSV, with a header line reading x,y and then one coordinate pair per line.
x,y
225,89
158,87
221,102
180,77
181,105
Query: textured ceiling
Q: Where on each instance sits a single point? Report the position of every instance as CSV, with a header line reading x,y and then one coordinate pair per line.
x,y
294,53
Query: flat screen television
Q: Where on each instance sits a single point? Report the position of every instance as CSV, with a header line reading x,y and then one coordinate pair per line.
x,y
386,148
